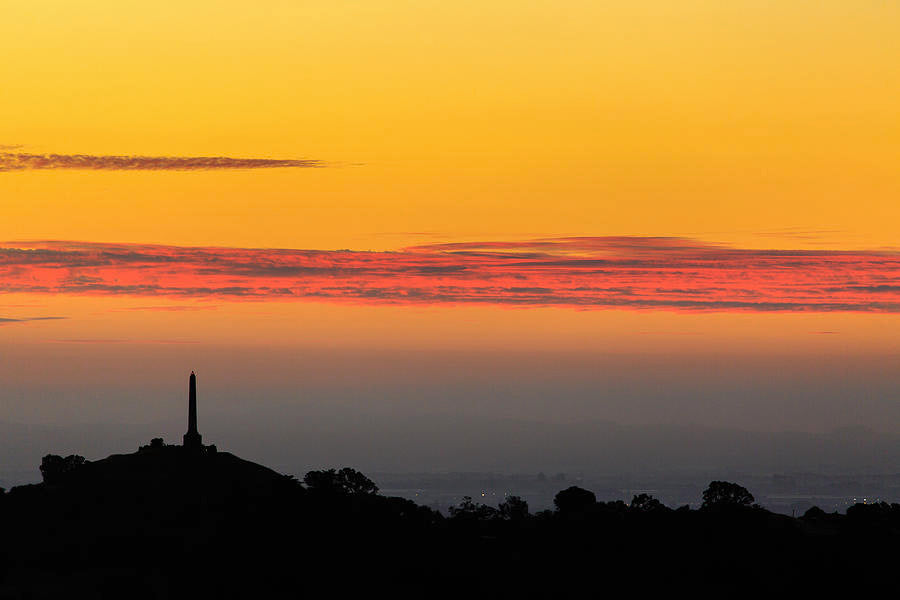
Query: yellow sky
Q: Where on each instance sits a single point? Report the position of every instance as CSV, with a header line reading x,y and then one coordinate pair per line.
x,y
111,321
729,121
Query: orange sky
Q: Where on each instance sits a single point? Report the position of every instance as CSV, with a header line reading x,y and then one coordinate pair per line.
x,y
731,122
757,126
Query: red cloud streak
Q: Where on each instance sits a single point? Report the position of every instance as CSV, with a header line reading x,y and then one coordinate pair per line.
x,y
587,273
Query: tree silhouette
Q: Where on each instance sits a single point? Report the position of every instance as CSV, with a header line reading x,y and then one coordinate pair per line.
x,y
724,494
514,509
55,467
814,512
574,500
468,510
356,483
874,513
346,481
645,503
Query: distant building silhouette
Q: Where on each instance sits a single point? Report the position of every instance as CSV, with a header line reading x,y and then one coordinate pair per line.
x,y
193,439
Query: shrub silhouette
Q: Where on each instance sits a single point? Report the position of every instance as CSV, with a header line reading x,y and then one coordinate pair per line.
x,y
724,494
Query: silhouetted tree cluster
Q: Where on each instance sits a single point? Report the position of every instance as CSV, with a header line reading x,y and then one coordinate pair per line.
x,y
645,503
470,511
345,481
54,467
514,508
723,494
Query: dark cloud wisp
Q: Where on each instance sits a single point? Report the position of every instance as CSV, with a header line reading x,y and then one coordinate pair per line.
x,y
18,161
7,320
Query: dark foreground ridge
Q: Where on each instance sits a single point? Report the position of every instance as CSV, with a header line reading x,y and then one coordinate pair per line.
x,y
176,522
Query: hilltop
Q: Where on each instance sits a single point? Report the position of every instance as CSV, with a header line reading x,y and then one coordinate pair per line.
x,y
169,522
172,522
164,469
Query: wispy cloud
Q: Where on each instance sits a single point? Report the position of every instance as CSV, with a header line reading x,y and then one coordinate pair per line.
x,y
585,273
18,161
119,341
169,308
6,320
797,233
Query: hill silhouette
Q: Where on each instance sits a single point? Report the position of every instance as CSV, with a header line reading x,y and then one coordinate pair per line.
x,y
152,469
170,522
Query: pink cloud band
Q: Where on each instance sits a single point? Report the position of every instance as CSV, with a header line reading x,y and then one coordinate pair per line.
x,y
584,273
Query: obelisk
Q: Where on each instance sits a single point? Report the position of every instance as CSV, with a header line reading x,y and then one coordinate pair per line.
x,y
192,439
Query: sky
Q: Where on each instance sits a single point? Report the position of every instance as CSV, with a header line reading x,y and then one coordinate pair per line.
x,y
646,212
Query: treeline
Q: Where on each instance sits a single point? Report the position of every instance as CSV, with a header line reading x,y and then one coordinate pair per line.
x,y
164,523
721,499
